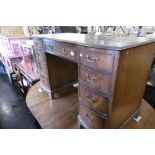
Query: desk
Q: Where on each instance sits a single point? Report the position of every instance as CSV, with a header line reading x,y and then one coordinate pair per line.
x,y
111,73
61,114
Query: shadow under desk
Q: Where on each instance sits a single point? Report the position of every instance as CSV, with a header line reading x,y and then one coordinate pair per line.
x,y
61,113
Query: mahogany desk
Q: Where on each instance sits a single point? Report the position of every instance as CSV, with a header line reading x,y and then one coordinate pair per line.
x,y
60,114
111,72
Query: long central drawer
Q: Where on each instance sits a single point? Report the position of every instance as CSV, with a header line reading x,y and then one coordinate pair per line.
x,y
59,48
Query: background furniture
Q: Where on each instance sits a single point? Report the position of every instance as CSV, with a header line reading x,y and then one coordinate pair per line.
x,y
111,73
26,74
14,31
11,51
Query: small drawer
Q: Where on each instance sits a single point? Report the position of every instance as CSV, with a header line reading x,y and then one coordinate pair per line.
x,y
91,118
44,82
59,48
38,43
99,103
97,81
43,68
97,58
41,56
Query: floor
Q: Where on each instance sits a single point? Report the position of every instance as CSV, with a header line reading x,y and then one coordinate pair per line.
x,y
14,113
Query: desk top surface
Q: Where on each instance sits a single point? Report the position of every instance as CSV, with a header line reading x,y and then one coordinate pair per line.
x,y
99,41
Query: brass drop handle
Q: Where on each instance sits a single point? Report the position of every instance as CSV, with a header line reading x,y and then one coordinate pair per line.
x,y
91,99
93,60
90,79
50,47
65,51
88,117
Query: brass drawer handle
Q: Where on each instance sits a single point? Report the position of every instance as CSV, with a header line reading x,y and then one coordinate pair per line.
x,y
91,99
90,79
93,60
72,53
65,51
50,47
88,118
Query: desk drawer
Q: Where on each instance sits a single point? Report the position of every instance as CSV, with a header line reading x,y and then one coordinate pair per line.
x,y
43,68
97,58
99,103
96,81
91,118
59,48
41,56
44,82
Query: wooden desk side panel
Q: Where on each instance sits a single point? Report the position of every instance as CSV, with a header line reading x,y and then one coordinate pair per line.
x,y
61,72
133,71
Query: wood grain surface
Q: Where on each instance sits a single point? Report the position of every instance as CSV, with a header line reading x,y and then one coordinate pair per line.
x,y
62,113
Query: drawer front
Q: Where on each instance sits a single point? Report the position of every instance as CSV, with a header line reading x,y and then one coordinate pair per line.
x,y
41,56
97,81
43,68
97,58
44,82
63,49
90,117
100,103
38,43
